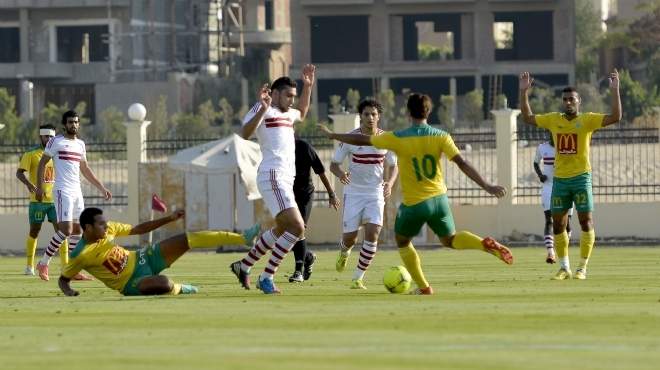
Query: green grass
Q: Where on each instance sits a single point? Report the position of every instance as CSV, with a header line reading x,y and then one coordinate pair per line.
x,y
485,315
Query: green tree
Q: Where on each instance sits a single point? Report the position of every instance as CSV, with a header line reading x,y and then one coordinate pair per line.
x,y
473,105
387,100
544,100
190,125
9,118
52,113
226,116
635,99
353,100
111,125
588,34
207,113
161,124
335,104
591,99
445,116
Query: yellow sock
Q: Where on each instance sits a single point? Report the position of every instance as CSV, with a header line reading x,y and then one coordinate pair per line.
x,y
561,244
64,252
413,264
30,249
587,240
466,240
206,239
176,289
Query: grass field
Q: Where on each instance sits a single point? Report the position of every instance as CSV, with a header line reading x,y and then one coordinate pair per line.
x,y
485,315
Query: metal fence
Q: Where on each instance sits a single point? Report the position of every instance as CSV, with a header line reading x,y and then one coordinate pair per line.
x,y
624,163
106,159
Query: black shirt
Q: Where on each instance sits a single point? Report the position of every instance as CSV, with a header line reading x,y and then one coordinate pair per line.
x,y
306,159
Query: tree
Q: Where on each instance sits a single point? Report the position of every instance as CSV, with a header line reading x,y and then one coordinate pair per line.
x,y
161,124
591,99
473,106
544,100
188,125
387,100
207,113
111,125
52,113
588,33
335,104
635,100
353,100
445,115
8,117
226,116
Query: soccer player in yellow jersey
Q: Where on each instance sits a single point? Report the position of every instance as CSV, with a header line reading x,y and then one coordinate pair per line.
x,y
571,131
419,149
38,211
137,273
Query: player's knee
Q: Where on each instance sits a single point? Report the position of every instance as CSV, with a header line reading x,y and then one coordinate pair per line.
x,y
296,228
586,224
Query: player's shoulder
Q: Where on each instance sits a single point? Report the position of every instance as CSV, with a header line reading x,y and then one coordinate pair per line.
x,y
421,130
35,150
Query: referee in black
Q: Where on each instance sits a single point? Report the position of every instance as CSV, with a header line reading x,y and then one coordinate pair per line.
x,y
303,189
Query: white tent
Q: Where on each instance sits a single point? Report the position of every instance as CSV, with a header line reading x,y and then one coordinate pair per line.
x,y
220,178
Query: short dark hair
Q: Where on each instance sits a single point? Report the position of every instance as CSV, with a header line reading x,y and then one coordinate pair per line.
x,y
68,114
569,89
419,106
87,216
47,126
283,83
370,103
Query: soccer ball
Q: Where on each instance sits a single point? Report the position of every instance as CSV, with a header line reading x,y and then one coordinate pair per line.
x,y
397,279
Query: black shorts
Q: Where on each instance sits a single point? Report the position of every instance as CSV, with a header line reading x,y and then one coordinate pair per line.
x,y
304,202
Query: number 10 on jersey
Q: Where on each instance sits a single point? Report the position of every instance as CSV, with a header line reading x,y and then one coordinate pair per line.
x,y
427,167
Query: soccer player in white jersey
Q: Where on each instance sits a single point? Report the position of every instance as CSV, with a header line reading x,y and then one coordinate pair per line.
x,y
70,159
364,191
546,153
273,118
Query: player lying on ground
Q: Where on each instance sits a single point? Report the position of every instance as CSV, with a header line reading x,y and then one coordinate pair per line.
x,y
137,273
419,149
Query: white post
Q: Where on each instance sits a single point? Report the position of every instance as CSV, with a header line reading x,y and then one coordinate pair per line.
x,y
507,169
136,135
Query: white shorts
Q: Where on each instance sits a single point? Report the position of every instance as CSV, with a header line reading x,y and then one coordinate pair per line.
x,y
277,190
68,206
360,210
546,199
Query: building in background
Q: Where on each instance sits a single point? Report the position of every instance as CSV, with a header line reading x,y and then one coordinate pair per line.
x,y
437,47
115,52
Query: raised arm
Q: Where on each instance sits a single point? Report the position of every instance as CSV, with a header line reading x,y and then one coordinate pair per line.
x,y
148,226
91,177
472,173
616,113
355,139
524,84
308,76
264,99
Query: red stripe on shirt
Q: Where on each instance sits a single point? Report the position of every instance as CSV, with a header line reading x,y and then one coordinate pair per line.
x,y
69,153
274,119
367,161
368,155
73,159
278,124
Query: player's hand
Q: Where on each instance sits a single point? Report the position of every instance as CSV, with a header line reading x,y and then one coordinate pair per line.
x,y
31,188
525,82
387,189
614,79
334,202
107,194
38,194
496,190
325,130
264,96
178,214
543,178
308,74
345,178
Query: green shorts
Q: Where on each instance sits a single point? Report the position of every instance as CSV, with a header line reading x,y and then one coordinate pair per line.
x,y
149,262
433,211
38,211
571,190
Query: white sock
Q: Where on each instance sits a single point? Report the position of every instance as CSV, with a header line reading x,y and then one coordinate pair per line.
x,y
564,263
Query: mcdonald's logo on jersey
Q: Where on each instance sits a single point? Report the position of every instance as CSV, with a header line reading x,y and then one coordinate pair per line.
x,y
567,143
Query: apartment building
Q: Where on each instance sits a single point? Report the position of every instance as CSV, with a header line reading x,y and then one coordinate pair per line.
x,y
439,47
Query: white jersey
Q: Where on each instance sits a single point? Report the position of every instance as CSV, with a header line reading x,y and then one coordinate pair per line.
x,y
545,157
275,135
365,166
67,155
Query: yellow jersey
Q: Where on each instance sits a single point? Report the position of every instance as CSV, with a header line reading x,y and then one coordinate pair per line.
x,y
572,140
30,163
419,149
105,260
